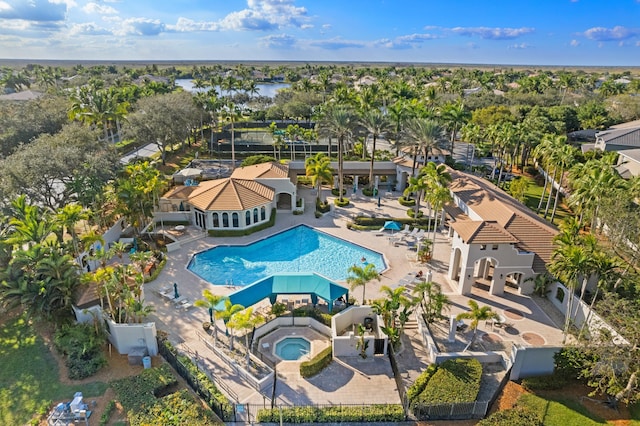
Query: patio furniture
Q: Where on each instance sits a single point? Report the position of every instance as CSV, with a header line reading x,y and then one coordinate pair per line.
x,y
179,300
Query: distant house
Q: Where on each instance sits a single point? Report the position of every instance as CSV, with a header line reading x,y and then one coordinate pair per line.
x,y
243,200
625,140
496,241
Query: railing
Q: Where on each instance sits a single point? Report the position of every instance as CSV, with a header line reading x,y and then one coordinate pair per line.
x,y
453,411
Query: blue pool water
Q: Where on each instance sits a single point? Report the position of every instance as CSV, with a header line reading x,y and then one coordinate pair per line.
x,y
299,249
292,348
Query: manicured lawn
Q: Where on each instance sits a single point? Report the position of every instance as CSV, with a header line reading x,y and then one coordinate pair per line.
x,y
29,377
560,412
532,198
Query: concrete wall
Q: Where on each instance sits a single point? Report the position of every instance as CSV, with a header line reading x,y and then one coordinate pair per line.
x,y
581,312
288,321
345,344
529,362
124,337
110,236
88,315
173,216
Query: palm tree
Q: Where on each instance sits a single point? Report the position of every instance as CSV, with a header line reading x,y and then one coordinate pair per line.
x,y
432,299
232,114
376,125
454,116
245,320
319,169
339,121
416,185
426,134
563,158
361,275
437,178
571,264
476,314
225,315
211,302
68,216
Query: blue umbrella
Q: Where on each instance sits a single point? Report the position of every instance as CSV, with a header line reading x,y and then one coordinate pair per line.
x,y
393,225
175,291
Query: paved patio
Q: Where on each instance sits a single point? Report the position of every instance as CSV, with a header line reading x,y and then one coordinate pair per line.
x,y
346,381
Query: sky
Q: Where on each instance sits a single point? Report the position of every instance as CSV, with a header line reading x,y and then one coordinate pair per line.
x,y
517,32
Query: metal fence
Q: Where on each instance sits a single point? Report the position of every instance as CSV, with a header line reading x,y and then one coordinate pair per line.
x,y
225,411
453,411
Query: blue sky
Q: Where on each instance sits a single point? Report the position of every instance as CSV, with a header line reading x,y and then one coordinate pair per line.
x,y
528,32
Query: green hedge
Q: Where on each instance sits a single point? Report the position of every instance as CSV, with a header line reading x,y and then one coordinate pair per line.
x,y
550,382
336,191
322,206
341,203
512,417
421,382
412,213
178,408
317,363
243,232
334,414
137,393
156,271
407,202
218,399
455,381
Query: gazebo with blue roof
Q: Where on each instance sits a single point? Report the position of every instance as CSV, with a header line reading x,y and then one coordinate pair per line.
x,y
310,283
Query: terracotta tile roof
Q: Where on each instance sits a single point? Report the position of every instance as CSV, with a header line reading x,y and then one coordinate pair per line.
x,y
180,192
403,161
230,194
491,203
263,170
482,232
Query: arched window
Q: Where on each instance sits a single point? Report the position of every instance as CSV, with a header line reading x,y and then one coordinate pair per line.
x,y
216,220
263,213
225,220
247,218
236,220
255,215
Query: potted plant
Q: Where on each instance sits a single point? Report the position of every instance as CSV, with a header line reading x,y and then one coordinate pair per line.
x,y
206,326
362,344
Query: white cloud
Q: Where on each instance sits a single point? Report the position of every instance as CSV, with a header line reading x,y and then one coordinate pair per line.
x,y
520,46
610,34
407,41
337,43
492,33
189,25
280,41
140,26
87,28
574,43
33,10
265,15
97,9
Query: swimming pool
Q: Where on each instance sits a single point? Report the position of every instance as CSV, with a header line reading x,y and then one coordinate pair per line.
x,y
292,348
299,249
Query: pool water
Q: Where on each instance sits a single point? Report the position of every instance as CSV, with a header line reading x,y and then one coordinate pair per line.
x,y
292,348
299,249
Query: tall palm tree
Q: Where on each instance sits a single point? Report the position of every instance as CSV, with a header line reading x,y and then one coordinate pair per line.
x,y
376,125
245,320
339,121
211,302
476,314
565,159
454,116
361,275
437,179
68,216
319,169
232,113
426,134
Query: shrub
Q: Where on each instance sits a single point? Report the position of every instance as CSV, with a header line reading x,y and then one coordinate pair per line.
x,y
318,214
335,414
106,415
298,212
243,232
412,213
367,191
550,382
278,309
322,207
571,361
138,392
317,363
178,408
407,202
512,417
341,203
82,345
531,170
421,382
335,191
455,381
156,271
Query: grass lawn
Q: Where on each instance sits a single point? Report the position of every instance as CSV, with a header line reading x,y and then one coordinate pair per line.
x,y
29,377
532,198
560,412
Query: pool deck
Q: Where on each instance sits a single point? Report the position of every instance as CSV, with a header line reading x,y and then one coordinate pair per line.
x,y
347,381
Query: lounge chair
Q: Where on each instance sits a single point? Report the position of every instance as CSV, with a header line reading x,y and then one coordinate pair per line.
x,y
380,232
405,230
421,233
180,300
413,232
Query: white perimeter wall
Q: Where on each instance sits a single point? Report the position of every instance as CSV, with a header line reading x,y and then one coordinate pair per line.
x,y
346,345
124,337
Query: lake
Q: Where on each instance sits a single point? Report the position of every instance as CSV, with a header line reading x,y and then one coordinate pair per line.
x,y
268,90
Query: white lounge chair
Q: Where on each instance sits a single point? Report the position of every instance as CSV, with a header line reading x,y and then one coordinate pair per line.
x,y
413,232
380,232
405,230
180,300
421,233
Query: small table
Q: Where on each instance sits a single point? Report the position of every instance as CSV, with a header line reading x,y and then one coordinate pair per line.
x,y
179,228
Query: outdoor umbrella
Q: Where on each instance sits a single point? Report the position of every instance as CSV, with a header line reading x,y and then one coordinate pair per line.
x,y
393,225
175,291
